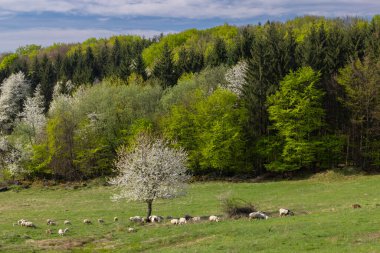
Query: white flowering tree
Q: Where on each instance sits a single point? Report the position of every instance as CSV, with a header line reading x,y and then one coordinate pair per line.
x,y
151,171
235,77
14,91
33,116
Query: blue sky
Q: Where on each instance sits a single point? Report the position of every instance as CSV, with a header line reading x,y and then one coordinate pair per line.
x,y
44,22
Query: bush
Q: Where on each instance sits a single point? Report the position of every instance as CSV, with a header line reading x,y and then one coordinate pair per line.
x,y
237,208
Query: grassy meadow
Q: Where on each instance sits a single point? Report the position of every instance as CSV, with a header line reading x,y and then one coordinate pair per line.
x,y
324,220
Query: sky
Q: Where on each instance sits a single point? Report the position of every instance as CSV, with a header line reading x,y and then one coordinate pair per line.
x,y
44,22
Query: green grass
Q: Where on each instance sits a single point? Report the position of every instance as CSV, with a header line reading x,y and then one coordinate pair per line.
x,y
324,220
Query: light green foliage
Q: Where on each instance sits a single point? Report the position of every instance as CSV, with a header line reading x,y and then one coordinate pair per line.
x,y
6,61
296,112
210,128
201,41
84,131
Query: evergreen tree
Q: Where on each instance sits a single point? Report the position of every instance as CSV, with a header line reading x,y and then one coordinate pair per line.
x,y
164,68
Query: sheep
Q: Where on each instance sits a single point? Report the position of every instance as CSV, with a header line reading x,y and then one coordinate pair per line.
x,y
188,217
87,221
101,221
28,224
154,218
258,215
61,231
136,219
356,206
131,230
48,231
182,221
19,222
174,221
115,219
51,223
214,218
285,212
196,218
67,222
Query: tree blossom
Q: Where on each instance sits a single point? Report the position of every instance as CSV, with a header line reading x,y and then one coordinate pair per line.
x,y
152,170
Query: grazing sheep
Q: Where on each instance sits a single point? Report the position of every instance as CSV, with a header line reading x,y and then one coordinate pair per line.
x,y
61,232
174,221
131,230
153,218
51,223
182,221
48,221
101,221
356,206
258,215
188,217
285,212
196,218
67,222
19,222
136,219
87,221
214,218
28,224
115,219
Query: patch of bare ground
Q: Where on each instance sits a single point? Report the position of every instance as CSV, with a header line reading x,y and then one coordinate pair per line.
x,y
368,237
61,244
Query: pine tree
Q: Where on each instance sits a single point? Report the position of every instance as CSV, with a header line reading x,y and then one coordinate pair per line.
x,y
164,68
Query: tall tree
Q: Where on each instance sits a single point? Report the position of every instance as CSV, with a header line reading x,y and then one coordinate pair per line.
x,y
164,68
14,91
296,111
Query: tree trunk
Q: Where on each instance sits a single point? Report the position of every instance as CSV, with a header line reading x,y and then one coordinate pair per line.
x,y
149,202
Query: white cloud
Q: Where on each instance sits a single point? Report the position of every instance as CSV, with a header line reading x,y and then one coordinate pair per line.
x,y
46,37
197,8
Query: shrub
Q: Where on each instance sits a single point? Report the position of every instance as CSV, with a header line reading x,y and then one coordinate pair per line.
x,y
237,208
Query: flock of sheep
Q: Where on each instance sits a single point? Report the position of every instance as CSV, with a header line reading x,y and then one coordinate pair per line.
x,y
150,219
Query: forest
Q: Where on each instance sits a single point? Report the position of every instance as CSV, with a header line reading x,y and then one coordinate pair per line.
x,y
300,95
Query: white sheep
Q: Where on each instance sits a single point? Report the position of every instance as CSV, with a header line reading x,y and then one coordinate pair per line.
x,y
100,221
214,218
87,221
174,221
136,219
182,221
19,222
285,212
28,224
67,222
154,218
258,215
61,231
115,219
196,218
131,230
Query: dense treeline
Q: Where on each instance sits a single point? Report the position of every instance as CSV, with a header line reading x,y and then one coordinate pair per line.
x,y
304,94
